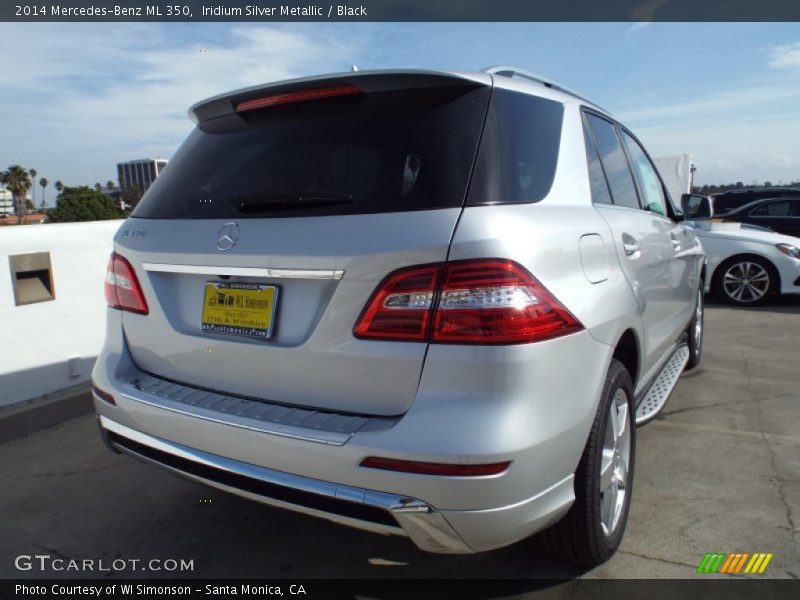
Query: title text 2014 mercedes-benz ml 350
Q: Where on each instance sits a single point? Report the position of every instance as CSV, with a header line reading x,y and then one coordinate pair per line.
x,y
433,304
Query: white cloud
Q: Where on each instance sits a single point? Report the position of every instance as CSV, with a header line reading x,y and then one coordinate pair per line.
x,y
729,150
742,100
96,95
636,27
786,56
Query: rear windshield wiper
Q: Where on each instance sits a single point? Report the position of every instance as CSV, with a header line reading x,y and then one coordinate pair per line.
x,y
278,201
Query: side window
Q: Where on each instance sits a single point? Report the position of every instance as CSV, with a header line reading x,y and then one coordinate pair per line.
x,y
620,180
597,179
649,182
782,208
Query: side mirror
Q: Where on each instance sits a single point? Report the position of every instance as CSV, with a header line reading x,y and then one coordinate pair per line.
x,y
696,207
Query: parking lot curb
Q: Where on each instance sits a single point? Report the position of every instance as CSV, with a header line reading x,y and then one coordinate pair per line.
x,y
20,420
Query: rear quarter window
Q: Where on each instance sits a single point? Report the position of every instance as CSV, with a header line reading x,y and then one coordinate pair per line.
x,y
519,149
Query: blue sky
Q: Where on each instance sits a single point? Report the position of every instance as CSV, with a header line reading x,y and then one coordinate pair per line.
x,y
77,98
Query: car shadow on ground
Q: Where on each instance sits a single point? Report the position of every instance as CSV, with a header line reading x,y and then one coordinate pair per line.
x,y
786,304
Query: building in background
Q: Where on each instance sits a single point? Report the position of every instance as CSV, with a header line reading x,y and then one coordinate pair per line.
x,y
139,174
6,203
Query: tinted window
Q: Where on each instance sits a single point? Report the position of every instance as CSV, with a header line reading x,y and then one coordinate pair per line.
x,y
376,152
650,184
783,208
519,149
597,179
620,180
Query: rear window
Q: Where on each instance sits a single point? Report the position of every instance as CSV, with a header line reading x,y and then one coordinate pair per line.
x,y
519,150
377,152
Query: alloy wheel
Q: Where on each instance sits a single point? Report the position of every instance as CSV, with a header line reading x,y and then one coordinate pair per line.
x,y
614,463
746,282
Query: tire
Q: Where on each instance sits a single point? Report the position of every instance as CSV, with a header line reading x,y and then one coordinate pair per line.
x,y
695,331
589,534
745,280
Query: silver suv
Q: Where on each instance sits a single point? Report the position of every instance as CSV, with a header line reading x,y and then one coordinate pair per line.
x,y
432,304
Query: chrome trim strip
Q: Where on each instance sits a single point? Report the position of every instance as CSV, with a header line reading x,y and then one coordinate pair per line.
x,y
426,527
245,271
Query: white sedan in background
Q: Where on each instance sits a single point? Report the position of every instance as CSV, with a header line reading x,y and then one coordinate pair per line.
x,y
746,264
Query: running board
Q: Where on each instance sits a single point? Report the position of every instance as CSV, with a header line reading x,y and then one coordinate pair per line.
x,y
657,395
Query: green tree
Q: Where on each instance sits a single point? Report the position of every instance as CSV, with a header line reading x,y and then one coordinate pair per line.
x,y
130,195
110,185
83,204
43,182
18,183
59,186
98,187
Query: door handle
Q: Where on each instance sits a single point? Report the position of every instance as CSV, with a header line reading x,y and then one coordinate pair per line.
x,y
630,245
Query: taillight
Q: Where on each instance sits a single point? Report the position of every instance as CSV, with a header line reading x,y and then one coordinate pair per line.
x,y
302,96
400,308
122,287
490,301
497,302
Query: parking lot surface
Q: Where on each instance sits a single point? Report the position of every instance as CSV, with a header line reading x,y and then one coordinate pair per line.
x,y
718,471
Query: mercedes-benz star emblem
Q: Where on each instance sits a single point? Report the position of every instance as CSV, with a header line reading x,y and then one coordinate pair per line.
x,y
228,236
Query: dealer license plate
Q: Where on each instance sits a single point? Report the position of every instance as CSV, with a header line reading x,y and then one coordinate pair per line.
x,y
239,308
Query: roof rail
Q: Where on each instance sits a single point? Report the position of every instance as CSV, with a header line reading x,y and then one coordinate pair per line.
x,y
511,72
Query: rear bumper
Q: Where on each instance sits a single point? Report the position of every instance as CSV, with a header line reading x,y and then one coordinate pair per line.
x,y
379,512
521,404
365,509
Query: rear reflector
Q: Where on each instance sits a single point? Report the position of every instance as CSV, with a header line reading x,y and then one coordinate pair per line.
x,y
428,468
487,301
303,96
103,395
122,288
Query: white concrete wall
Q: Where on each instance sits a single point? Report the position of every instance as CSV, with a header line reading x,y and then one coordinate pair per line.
x,y
37,341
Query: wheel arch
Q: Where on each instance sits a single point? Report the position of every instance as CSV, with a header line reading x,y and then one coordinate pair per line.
x,y
627,351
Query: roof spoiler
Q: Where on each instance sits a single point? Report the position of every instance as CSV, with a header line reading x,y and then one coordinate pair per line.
x,y
365,81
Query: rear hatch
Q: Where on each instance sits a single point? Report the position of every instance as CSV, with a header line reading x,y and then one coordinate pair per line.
x,y
261,242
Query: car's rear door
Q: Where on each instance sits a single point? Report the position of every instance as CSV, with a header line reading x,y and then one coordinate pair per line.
x,y
644,239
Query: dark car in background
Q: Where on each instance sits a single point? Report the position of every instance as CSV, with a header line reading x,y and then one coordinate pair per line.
x,y
725,202
779,214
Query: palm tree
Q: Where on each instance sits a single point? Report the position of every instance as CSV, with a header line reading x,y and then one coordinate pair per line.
x,y
19,183
33,181
110,185
4,182
98,187
59,186
43,182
